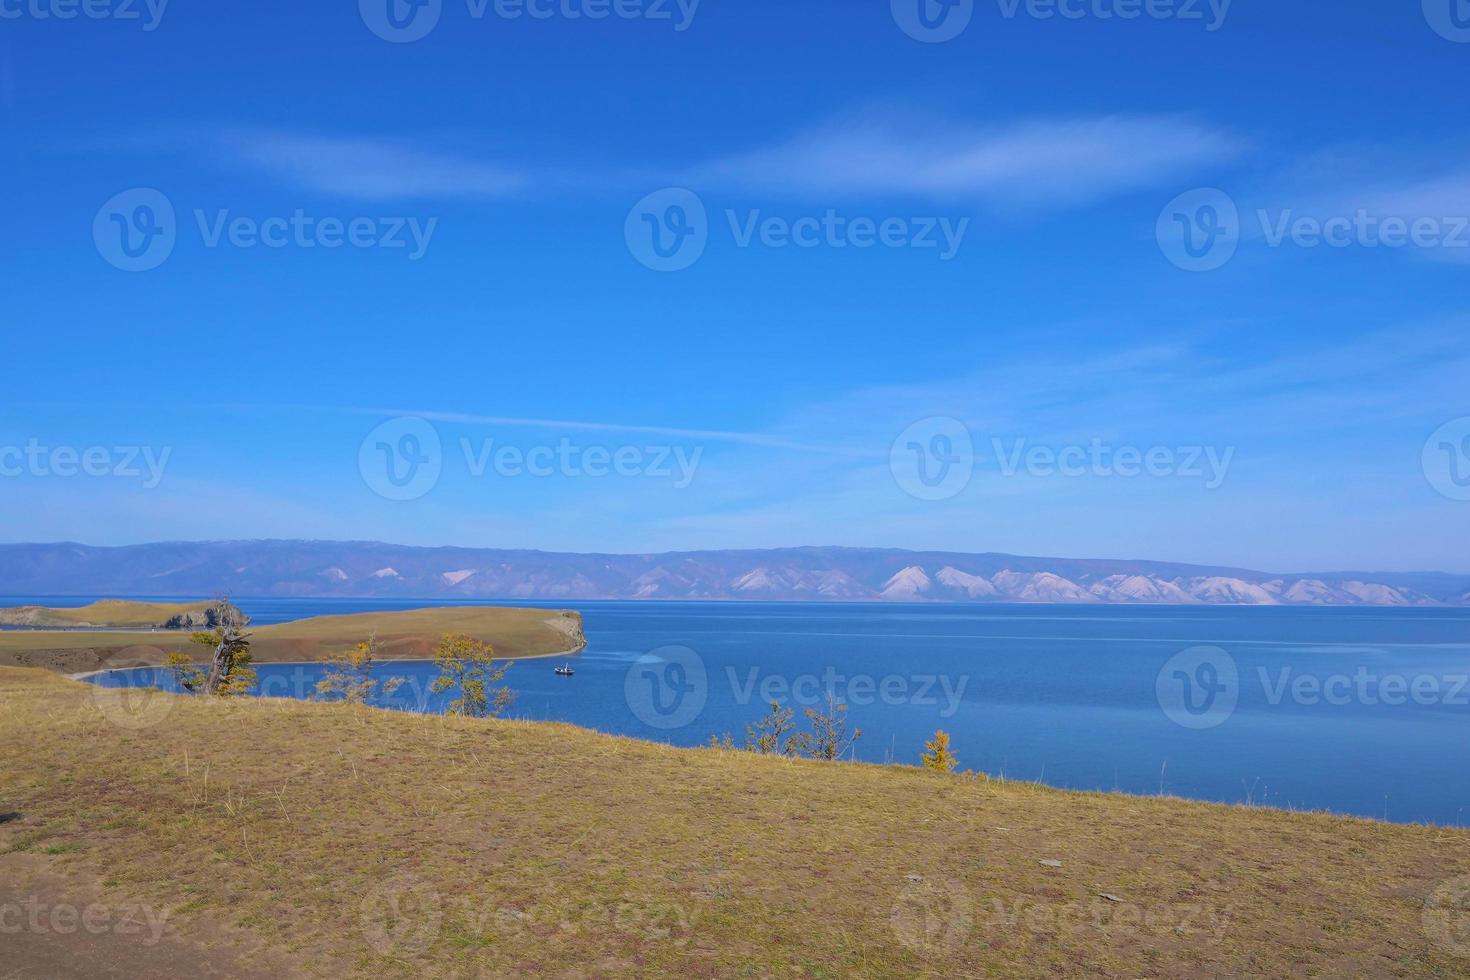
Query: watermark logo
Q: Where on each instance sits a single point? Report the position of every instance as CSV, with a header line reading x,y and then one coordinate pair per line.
x,y
405,21
573,461
145,463
1210,13
134,705
1104,915
931,916
31,915
667,688
838,231
1364,687
301,230
401,917
1449,18
400,21
401,459
932,21
668,230
1447,917
663,922
1208,464
1363,229
136,230
933,459
859,690
148,12
1199,231
1446,459
1199,688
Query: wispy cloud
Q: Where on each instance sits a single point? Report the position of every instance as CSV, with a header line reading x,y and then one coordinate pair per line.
x,y
1025,163
1427,188
369,169
1030,163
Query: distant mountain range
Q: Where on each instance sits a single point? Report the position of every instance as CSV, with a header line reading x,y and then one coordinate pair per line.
x,y
365,568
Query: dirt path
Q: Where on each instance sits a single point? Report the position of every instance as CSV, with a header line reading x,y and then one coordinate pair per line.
x,y
56,926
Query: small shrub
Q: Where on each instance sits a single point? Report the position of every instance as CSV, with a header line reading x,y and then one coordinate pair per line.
x,y
939,758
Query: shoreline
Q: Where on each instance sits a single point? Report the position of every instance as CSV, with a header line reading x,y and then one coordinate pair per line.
x,y
312,663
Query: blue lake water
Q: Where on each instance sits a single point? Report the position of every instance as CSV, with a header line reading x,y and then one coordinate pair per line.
x,y
1361,711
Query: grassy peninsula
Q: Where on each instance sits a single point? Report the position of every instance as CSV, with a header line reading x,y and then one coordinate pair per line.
x,y
516,634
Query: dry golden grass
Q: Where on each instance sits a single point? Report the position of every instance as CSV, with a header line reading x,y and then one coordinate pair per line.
x,y
515,633
365,842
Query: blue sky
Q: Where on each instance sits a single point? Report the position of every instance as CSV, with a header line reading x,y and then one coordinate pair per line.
x,y
1025,175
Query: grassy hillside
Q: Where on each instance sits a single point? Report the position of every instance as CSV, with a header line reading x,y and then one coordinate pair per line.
x,y
324,840
123,613
515,633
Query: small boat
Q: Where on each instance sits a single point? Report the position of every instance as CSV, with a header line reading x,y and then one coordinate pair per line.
x,y
565,670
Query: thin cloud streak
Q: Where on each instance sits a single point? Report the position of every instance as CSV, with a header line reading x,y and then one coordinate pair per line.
x,y
369,169
1030,163
463,418
1036,163
717,435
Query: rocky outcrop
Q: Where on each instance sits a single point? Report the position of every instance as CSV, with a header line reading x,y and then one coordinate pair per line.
x,y
570,623
973,586
1229,591
907,585
216,614
1139,588
1040,587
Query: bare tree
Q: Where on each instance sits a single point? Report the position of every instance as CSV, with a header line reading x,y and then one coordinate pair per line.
x,y
830,737
776,733
349,677
229,672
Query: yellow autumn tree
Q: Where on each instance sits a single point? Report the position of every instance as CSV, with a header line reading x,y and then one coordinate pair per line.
x,y
469,666
349,677
939,758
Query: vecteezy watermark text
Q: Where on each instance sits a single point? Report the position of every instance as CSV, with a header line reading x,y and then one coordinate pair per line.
x,y
300,230
1201,687
935,457
1201,230
1210,14
833,230
406,21
1209,464
935,21
403,459
939,914
403,916
572,460
810,690
669,687
32,915
138,229
148,13
670,229
146,463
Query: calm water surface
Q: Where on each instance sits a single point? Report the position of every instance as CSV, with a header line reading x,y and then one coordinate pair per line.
x,y
1362,711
